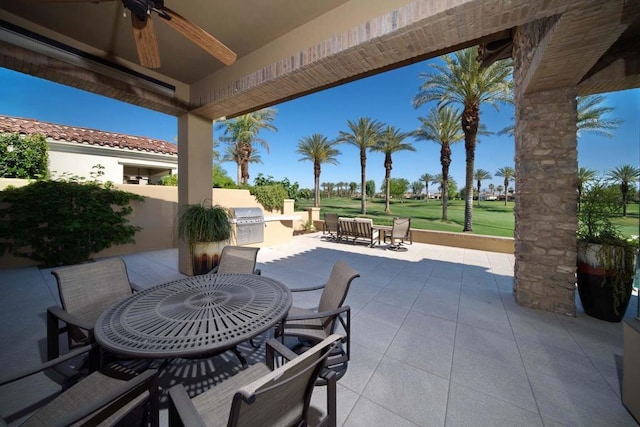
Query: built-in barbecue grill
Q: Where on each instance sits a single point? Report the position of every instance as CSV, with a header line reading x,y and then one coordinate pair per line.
x,y
249,225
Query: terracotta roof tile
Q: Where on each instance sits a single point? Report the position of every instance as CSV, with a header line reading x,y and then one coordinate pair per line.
x,y
85,136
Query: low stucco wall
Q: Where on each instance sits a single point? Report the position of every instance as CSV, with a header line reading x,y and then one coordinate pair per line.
x,y
459,240
156,215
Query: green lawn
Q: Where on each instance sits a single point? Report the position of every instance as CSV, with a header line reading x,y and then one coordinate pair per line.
x,y
490,218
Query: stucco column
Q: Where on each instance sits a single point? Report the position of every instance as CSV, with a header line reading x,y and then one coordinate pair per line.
x,y
546,198
195,146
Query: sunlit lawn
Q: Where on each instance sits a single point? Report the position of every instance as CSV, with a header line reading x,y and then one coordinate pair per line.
x,y
491,218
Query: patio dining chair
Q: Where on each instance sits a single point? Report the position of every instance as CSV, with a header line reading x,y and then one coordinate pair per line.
x,y
400,232
312,326
237,259
330,225
262,395
103,398
86,291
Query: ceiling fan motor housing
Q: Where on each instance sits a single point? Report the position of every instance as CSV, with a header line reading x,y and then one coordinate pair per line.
x,y
143,8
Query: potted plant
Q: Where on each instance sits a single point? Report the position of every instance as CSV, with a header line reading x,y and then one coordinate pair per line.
x,y
206,229
605,257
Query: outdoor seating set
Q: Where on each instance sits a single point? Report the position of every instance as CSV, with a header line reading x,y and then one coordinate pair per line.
x,y
108,319
341,228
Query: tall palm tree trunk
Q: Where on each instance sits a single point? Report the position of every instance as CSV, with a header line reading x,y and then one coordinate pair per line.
x,y
316,183
445,161
506,191
363,177
470,119
624,189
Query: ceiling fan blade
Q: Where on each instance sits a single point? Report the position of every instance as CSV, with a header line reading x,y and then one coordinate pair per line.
x,y
146,42
200,37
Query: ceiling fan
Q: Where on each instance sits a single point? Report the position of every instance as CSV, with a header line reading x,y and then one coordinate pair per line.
x,y
145,35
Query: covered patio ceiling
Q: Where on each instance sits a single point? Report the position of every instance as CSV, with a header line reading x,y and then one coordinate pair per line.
x,y
288,48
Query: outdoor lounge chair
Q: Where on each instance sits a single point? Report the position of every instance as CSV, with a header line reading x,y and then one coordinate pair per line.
x,y
400,232
237,259
99,399
311,326
330,225
86,291
262,395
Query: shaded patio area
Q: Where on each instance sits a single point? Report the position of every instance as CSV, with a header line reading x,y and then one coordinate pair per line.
x,y
437,338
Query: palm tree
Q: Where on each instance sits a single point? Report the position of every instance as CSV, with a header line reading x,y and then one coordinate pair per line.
x,y
243,132
624,175
317,149
584,175
363,134
442,126
480,175
427,178
353,186
492,188
464,81
509,174
499,189
231,155
390,141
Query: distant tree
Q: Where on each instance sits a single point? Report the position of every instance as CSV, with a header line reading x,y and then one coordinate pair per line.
x,y
492,188
442,126
398,187
584,176
353,187
508,174
416,188
362,134
462,80
220,178
242,132
305,193
391,140
231,154
370,188
452,186
481,175
318,150
427,178
499,189
24,157
623,175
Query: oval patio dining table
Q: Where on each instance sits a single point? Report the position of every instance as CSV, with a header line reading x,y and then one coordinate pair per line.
x,y
195,316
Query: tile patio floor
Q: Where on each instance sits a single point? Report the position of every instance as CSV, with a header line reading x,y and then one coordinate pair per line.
x,y
437,338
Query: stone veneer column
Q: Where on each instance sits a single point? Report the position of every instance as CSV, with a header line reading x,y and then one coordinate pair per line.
x,y
546,197
546,159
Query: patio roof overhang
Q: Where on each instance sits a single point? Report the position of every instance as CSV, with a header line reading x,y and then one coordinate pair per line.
x,y
288,48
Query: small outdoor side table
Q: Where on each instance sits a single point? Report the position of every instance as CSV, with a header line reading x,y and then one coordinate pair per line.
x,y
194,316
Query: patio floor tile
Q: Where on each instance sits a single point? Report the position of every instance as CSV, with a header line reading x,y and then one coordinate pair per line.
x,y
437,338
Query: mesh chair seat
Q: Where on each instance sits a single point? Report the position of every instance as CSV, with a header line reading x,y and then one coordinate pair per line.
x,y
237,259
262,395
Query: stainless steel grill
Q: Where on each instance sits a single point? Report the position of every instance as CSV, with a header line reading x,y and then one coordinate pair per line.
x,y
249,225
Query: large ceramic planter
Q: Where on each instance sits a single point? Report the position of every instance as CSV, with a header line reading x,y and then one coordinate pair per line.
x,y
206,256
596,294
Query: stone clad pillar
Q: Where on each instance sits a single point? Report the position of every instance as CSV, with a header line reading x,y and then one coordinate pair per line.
x,y
546,160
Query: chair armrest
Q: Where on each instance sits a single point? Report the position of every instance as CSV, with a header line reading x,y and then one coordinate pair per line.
x,y
135,287
320,314
257,271
182,412
69,318
313,288
15,376
274,346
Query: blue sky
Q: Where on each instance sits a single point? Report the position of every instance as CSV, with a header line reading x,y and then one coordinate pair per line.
x,y
385,97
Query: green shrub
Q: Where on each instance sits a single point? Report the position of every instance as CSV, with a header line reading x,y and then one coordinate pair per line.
x,y
271,197
64,222
23,157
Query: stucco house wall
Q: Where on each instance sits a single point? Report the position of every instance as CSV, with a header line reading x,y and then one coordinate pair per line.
x,y
74,151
